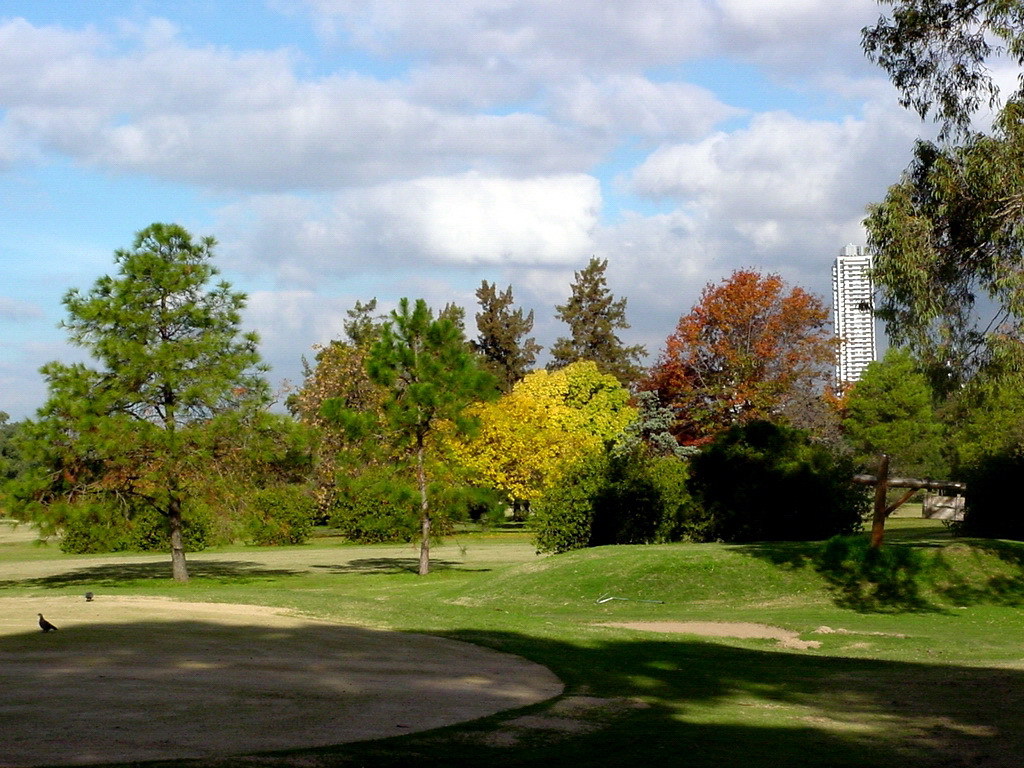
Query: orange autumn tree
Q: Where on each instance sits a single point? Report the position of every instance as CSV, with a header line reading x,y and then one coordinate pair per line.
x,y
747,348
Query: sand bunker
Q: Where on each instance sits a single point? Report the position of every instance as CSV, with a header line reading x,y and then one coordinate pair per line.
x,y
741,629
128,679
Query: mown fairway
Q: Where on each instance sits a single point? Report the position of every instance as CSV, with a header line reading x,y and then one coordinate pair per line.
x,y
920,660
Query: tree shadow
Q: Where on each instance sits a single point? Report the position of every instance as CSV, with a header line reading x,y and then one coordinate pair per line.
x,y
118,574
390,565
629,702
858,577
914,575
1006,588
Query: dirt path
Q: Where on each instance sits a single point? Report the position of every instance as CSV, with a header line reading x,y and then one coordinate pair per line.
x,y
134,678
742,629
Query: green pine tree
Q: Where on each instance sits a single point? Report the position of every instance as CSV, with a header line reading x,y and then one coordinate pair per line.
x,y
171,362
593,316
501,343
429,376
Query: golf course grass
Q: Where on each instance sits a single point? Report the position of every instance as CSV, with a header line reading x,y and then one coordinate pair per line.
x,y
913,658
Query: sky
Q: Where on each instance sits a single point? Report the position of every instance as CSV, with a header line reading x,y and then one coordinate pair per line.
x,y
343,150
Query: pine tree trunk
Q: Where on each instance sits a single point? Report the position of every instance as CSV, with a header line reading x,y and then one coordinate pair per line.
x,y
421,476
179,570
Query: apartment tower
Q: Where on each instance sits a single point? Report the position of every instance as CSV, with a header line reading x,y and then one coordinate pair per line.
x,y
853,312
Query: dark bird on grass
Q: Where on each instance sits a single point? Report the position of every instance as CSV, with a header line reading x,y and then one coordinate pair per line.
x,y
88,597
45,625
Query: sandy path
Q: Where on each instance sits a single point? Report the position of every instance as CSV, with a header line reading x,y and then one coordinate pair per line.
x,y
134,678
741,629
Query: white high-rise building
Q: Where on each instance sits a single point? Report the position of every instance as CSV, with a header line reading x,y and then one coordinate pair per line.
x,y
853,312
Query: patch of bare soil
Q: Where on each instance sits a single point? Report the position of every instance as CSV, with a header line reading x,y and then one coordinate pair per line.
x,y
740,629
132,678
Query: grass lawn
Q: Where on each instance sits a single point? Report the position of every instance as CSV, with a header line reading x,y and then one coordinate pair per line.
x,y
916,659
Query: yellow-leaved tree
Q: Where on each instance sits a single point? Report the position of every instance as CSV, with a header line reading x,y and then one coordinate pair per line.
x,y
549,421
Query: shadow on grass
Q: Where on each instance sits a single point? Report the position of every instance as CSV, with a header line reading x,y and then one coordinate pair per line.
x,y
375,565
118,574
908,575
627,703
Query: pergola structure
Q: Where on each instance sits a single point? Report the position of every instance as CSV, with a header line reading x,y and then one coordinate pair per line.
x,y
883,483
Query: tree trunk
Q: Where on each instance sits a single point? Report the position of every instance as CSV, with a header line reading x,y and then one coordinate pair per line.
x,y
179,570
880,512
421,476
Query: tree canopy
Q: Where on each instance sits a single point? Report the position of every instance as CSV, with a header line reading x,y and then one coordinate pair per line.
x,y
890,411
948,240
525,440
938,53
594,315
747,346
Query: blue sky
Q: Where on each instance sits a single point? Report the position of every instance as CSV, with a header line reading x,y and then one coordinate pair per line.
x,y
341,150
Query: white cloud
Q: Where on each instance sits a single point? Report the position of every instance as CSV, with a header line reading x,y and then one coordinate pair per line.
x,y
638,106
781,168
466,220
247,121
474,219
600,36
645,33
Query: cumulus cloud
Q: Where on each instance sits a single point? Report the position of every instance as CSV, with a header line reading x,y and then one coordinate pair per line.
x,y
781,171
648,33
488,150
791,36
248,121
466,221
637,106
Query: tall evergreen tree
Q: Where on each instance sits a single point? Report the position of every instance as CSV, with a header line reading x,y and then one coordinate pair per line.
x,y
172,361
363,326
507,354
593,316
428,376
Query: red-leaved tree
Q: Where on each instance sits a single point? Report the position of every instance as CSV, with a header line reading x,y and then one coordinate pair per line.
x,y
749,348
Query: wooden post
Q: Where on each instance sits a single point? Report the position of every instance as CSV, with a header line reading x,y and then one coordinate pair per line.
x,y
883,483
881,487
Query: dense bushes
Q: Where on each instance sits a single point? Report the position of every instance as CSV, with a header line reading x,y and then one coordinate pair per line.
x,y
755,482
280,515
626,498
375,506
276,515
112,526
764,482
993,507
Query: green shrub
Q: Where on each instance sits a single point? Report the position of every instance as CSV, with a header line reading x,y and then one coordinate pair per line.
x,y
993,508
374,507
110,525
629,497
678,520
764,482
280,515
562,516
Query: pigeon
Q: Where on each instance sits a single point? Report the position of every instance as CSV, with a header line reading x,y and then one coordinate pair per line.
x,y
45,625
88,597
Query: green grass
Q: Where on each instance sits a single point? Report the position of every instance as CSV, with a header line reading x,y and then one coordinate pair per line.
x,y
922,662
